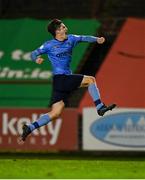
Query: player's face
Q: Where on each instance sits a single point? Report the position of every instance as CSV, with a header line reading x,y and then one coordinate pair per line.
x,y
62,30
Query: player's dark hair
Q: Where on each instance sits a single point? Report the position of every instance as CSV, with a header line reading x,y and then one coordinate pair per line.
x,y
53,26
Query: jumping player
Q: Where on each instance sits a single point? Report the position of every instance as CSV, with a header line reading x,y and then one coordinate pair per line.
x,y
59,51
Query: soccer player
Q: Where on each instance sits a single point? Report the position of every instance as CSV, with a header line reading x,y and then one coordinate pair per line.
x,y
59,51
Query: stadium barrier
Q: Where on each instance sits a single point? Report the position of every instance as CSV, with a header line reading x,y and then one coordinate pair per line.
x,y
61,134
123,129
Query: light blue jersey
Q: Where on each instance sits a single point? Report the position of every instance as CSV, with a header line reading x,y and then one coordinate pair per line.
x,y
60,52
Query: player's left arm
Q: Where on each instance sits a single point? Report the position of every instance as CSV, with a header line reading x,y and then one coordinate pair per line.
x,y
83,38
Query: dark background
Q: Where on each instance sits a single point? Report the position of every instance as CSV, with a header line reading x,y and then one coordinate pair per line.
x,y
45,9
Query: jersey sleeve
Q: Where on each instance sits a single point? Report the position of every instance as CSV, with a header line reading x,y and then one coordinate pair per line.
x,y
83,38
39,51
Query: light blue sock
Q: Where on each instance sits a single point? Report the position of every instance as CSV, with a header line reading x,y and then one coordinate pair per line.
x,y
94,92
43,120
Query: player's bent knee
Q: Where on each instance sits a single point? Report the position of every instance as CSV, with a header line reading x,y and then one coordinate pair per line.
x,y
91,80
87,81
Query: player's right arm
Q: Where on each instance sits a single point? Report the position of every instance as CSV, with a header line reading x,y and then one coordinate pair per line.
x,y
36,54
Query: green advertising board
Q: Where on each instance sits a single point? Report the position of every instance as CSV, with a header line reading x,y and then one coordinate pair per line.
x,y
19,37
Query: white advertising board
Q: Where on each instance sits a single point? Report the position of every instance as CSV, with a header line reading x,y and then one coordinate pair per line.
x,y
120,129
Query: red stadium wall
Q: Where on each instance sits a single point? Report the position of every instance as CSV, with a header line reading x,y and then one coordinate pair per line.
x,y
121,78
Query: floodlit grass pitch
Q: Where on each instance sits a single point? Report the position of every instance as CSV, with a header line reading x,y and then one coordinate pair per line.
x,y
71,166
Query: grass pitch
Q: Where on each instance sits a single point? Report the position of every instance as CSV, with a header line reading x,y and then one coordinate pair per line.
x,y
67,166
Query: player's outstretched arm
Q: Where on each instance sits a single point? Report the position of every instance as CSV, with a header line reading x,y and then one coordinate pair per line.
x,y
100,40
91,39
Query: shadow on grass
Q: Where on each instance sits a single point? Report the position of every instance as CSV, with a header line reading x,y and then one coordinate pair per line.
x,y
81,155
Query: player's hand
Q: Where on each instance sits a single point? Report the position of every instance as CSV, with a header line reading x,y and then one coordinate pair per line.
x,y
100,40
39,60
